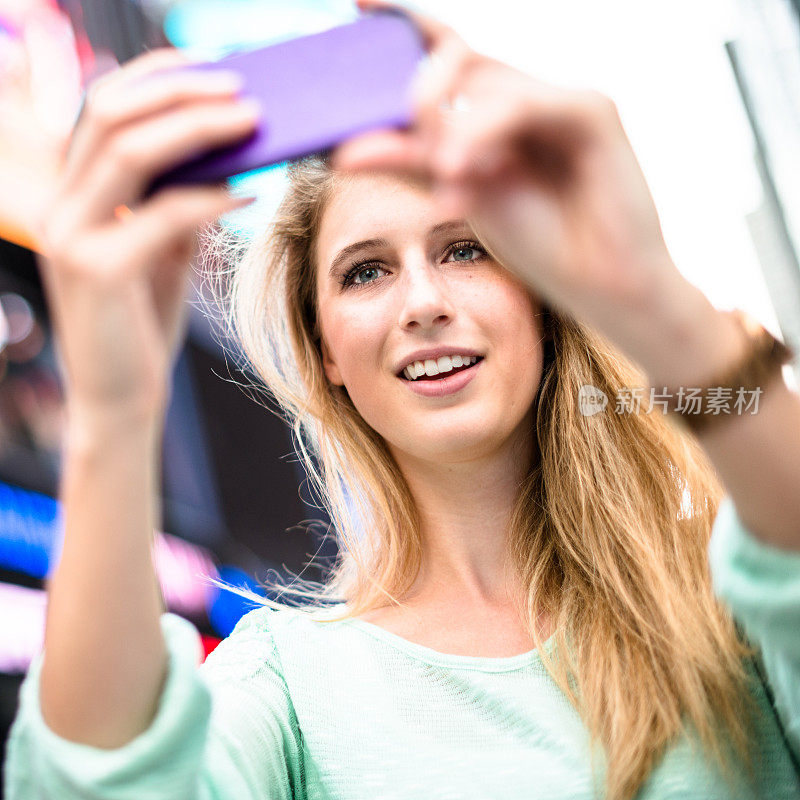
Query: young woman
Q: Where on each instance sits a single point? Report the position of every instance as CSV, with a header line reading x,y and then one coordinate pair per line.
x,y
524,604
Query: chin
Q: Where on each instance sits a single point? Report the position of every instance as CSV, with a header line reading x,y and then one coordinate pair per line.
x,y
458,440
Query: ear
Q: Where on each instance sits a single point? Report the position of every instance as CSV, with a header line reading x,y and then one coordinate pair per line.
x,y
329,365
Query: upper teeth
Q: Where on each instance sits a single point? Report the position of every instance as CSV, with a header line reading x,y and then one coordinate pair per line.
x,y
433,366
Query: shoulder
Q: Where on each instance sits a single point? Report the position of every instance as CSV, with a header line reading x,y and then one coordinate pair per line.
x,y
267,636
273,620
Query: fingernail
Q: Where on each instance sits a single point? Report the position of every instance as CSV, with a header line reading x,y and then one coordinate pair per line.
x,y
223,81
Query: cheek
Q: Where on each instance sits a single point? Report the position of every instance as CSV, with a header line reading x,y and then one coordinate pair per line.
x,y
526,323
354,335
514,315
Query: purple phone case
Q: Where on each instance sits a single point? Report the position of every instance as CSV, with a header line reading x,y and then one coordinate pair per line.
x,y
315,92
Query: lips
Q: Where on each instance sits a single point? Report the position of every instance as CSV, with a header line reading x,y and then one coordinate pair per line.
x,y
434,354
448,383
441,375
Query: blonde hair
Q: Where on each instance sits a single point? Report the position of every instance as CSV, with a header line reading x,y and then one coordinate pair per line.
x,y
609,532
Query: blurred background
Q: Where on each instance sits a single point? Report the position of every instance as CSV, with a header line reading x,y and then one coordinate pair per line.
x,y
710,97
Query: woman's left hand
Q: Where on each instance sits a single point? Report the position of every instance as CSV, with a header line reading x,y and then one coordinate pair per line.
x,y
546,176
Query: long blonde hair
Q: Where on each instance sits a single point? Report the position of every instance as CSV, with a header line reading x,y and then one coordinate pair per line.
x,y
609,532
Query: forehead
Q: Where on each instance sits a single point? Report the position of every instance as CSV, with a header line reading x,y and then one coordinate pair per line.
x,y
370,206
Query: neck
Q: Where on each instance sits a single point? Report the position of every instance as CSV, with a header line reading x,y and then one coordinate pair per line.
x,y
465,508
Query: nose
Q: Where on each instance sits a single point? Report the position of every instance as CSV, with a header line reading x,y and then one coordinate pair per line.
x,y
425,302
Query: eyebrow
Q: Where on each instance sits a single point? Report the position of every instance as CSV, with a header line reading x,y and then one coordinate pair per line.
x,y
346,253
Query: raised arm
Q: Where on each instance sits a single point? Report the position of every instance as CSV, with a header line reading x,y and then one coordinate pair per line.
x,y
116,276
551,184
757,455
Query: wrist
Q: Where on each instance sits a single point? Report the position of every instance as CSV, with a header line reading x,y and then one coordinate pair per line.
x,y
697,342
90,427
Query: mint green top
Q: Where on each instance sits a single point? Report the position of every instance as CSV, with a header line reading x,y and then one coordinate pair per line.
x,y
292,707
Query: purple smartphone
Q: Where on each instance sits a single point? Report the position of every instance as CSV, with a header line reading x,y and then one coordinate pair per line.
x,y
316,91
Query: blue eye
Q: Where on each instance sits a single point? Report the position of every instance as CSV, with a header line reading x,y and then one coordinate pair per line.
x,y
458,254
366,270
360,269
365,273
461,250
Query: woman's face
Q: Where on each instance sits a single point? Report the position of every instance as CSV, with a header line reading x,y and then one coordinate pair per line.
x,y
395,279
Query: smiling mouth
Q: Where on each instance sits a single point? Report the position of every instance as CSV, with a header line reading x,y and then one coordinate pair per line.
x,y
433,378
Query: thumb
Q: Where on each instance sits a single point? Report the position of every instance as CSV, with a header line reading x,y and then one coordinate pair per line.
x,y
523,228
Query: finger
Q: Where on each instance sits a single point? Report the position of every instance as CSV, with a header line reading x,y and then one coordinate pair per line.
x,y
136,68
440,82
479,144
493,170
442,74
459,177
184,208
396,152
542,128
135,156
393,151
433,30
170,224
569,118
172,217
110,111
173,282
144,64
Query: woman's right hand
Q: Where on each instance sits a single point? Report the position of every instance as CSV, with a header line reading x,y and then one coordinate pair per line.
x,y
116,270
